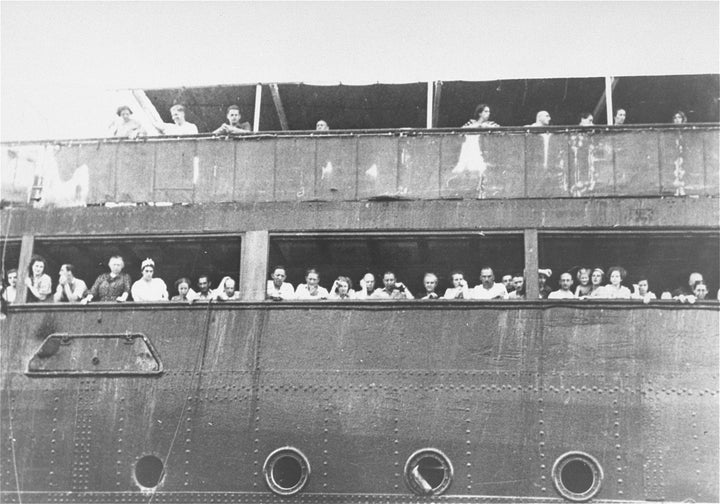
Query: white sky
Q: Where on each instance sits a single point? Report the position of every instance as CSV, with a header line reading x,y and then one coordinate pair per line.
x,y
59,60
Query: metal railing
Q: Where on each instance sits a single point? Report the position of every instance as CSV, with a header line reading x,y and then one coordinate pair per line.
x,y
501,163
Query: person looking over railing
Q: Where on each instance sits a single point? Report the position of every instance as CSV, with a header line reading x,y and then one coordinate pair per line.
x,y
322,125
392,288
679,117
126,126
564,292
311,289
148,288
488,288
541,119
700,291
69,289
113,286
686,294
584,288
586,119
226,291
482,118
544,289
459,289
179,125
507,282
277,288
9,293
182,286
367,286
518,287
642,291
596,282
342,289
430,282
614,289
204,294
233,126
620,116
38,282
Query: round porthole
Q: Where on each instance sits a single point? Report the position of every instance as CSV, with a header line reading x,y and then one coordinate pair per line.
x,y
148,471
286,471
428,472
577,476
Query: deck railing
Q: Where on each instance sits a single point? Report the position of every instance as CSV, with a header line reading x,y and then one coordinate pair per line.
x,y
501,163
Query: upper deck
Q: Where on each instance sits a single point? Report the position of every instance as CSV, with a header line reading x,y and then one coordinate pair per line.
x,y
502,163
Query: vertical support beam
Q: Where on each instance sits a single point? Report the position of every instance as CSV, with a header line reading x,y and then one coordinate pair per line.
x,y
258,98
532,290
429,106
278,106
26,251
254,256
436,103
609,86
147,106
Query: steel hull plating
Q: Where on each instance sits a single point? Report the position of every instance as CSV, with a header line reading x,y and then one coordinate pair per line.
x,y
503,389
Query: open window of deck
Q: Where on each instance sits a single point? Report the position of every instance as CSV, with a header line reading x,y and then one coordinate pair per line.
x,y
664,259
216,256
349,166
408,256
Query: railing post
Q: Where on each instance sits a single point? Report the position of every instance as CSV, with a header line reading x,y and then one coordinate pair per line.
x,y
532,290
26,251
254,265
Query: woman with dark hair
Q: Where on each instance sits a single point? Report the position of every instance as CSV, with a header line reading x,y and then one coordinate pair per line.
x,y
481,118
342,289
615,289
596,280
679,117
126,126
182,286
38,282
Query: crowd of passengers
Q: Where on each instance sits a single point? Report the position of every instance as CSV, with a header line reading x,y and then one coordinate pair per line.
x,y
117,286
125,126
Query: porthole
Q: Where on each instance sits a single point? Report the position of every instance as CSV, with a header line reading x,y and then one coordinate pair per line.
x,y
149,471
286,471
577,476
428,472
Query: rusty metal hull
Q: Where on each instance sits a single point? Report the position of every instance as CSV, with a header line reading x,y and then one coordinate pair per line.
x,y
503,389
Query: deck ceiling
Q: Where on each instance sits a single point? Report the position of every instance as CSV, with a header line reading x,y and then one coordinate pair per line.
x,y
647,100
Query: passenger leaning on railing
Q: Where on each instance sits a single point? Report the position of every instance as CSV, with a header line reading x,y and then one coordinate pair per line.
x,y
277,288
113,286
126,126
488,288
39,284
392,289
311,289
179,126
148,288
9,293
69,289
564,292
459,290
233,126
430,282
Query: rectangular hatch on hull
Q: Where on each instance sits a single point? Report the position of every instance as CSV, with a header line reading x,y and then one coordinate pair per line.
x,y
63,354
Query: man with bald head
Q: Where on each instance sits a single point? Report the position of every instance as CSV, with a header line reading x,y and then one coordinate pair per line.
x,y
564,292
541,119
